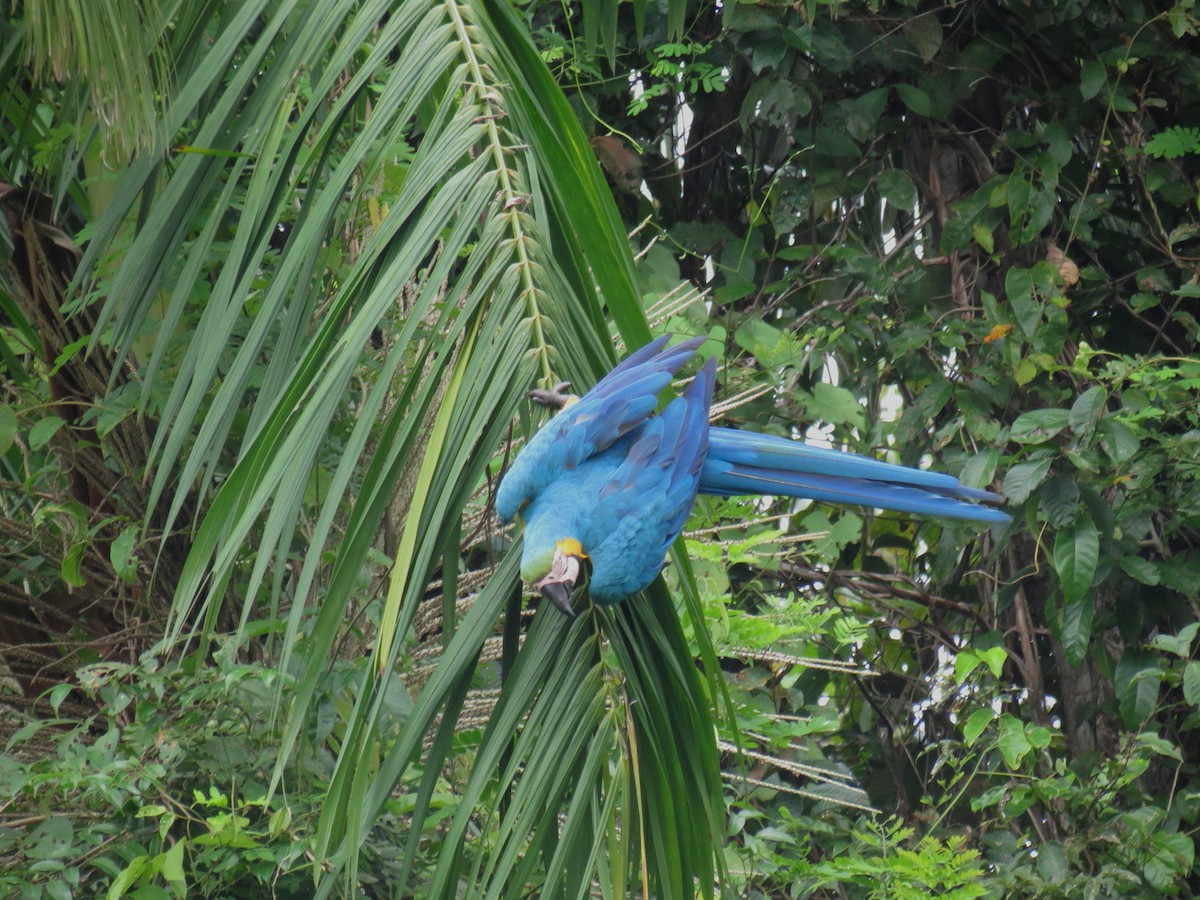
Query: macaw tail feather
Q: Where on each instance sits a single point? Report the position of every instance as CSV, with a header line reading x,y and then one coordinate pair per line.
x,y
742,462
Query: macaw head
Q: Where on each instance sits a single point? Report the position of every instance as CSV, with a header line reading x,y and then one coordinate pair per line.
x,y
553,570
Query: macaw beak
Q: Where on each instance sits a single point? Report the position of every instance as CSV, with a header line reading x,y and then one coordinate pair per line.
x,y
558,585
559,593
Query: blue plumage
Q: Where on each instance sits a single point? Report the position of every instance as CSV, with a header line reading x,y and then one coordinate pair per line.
x,y
608,480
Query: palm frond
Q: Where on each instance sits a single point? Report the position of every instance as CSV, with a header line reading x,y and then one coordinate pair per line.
x,y
425,143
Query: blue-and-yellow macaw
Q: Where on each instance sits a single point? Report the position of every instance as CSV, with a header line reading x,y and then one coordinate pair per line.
x,y
608,480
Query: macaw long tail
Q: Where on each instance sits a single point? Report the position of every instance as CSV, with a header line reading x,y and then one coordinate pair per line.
x,y
742,462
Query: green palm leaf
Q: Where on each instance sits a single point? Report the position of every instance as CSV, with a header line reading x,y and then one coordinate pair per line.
x,y
426,143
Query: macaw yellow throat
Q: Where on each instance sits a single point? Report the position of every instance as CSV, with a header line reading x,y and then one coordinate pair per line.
x,y
570,547
565,568
551,564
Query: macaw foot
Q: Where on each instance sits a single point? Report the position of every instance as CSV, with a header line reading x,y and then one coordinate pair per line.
x,y
555,398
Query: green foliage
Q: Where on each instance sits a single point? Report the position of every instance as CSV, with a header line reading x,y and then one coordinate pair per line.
x,y
365,232
1174,142
881,865
961,236
678,67
165,788
932,246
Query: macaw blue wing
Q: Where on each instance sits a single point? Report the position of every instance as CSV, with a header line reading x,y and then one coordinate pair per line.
x,y
649,483
625,398
742,462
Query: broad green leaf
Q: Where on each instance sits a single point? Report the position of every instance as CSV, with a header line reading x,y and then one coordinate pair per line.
x,y
43,431
121,555
897,188
8,427
1174,856
1091,78
830,537
1013,744
1039,736
768,344
172,867
1143,570
835,405
1076,556
1180,20
1191,682
925,32
980,469
1076,630
1058,143
983,237
71,569
128,877
1052,863
1022,479
863,112
1136,679
915,98
1027,370
976,724
1117,440
968,660
1059,501
1039,425
1179,644
1142,301
58,694
1087,409
995,657
1181,572
1019,800
1018,288
1030,220
1159,745
965,663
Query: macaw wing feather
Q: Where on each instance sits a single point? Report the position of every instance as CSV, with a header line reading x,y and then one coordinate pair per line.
x,y
645,502
621,401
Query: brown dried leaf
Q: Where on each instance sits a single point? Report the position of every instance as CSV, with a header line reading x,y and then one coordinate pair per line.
x,y
621,163
1067,270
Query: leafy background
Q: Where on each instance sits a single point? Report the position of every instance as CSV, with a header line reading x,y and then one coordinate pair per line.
x,y
277,279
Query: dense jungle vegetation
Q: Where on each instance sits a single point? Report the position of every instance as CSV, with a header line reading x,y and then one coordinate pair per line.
x,y
275,280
